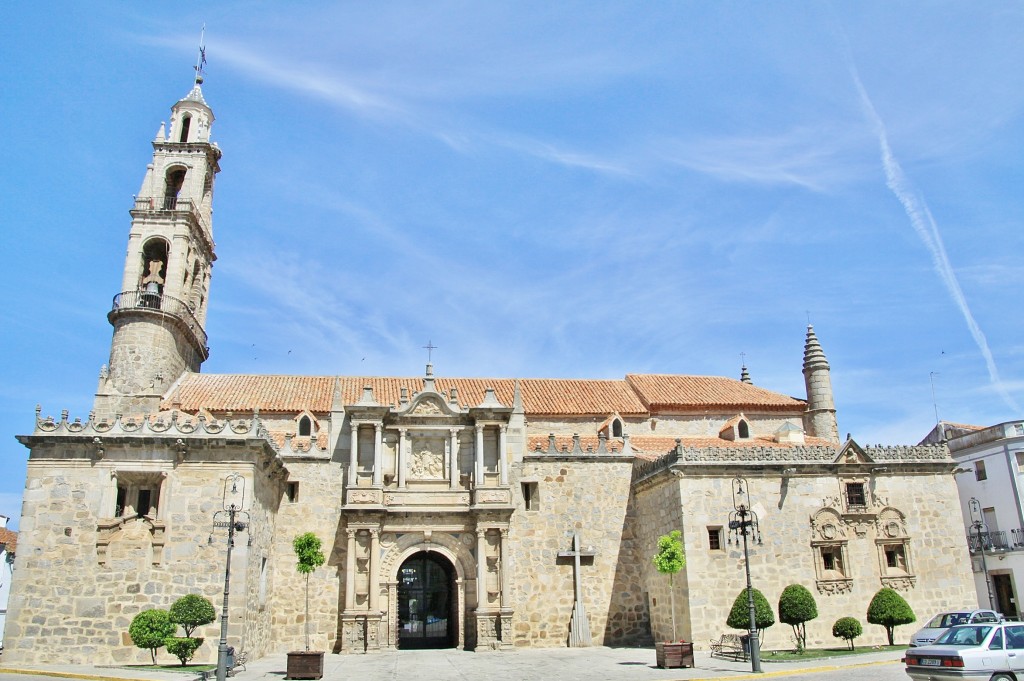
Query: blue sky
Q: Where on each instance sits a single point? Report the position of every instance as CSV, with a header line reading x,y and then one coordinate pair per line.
x,y
542,190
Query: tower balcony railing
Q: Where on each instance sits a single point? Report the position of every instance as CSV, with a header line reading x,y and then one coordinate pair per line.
x,y
148,300
166,204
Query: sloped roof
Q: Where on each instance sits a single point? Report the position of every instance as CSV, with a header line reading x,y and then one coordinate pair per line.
x,y
665,392
638,395
10,539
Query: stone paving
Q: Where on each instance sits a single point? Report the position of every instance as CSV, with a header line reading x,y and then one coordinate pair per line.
x,y
564,664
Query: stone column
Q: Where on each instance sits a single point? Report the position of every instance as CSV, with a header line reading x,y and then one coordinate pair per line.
x,y
481,568
374,571
502,464
378,463
353,453
453,464
478,458
505,569
403,455
350,571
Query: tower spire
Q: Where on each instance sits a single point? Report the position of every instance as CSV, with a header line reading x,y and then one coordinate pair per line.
x,y
820,417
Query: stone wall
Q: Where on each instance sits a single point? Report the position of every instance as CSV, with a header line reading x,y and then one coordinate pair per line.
x,y
590,496
658,512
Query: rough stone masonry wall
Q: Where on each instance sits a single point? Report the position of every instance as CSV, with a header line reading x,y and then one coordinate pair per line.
x,y
938,552
658,512
590,496
66,606
315,510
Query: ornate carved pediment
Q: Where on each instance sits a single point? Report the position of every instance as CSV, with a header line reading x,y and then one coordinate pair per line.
x,y
827,525
891,524
852,453
429,406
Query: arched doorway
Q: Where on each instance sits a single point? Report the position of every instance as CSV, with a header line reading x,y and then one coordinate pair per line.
x,y
426,602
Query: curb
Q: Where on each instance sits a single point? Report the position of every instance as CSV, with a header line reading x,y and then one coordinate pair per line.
x,y
792,672
79,675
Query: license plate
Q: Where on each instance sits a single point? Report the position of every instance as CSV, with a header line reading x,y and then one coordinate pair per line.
x,y
930,662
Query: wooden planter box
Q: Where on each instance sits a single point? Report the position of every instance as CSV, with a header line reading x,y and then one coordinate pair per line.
x,y
671,655
305,665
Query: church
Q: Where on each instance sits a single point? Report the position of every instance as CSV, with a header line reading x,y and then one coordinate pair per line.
x,y
476,513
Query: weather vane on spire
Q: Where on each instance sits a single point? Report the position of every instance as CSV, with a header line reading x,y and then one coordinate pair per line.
x,y
201,59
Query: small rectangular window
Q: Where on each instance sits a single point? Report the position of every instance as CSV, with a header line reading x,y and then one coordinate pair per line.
x,y
292,490
979,471
715,538
895,558
531,497
832,559
855,495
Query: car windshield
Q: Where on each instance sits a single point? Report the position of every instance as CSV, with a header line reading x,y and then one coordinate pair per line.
x,y
949,619
970,635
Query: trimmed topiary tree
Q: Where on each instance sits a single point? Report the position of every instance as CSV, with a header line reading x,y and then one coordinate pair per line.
x,y
889,610
183,648
796,608
309,557
739,616
150,628
847,628
670,559
192,611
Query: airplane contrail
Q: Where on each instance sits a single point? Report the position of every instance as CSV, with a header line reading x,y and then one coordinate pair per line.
x,y
924,224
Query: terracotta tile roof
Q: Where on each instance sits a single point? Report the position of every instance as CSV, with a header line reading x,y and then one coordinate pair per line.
x,y
10,539
244,392
661,392
963,426
638,395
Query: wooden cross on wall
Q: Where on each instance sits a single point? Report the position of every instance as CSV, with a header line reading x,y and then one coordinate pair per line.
x,y
579,626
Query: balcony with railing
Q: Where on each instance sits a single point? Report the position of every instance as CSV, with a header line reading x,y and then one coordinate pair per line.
x,y
142,301
172,205
996,541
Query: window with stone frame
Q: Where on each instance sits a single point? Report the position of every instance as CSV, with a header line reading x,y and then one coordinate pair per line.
x,y
137,494
833,563
895,562
895,557
856,495
715,538
829,543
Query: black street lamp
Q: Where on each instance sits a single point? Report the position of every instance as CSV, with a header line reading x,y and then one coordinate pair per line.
x,y
229,517
743,522
977,523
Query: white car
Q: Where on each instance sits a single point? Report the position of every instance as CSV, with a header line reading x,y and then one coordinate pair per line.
x,y
944,620
990,651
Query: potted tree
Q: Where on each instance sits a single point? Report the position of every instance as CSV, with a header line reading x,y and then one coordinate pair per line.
x,y
306,664
670,559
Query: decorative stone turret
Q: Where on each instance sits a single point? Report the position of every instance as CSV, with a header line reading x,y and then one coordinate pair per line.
x,y
159,314
820,417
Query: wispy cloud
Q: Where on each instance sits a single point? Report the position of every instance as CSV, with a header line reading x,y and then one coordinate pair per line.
x,y
927,230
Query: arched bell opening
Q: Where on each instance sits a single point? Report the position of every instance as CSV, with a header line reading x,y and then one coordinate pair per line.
x,y
427,604
154,272
173,182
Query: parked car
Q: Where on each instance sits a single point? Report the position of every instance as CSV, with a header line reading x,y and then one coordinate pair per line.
x,y
944,620
986,651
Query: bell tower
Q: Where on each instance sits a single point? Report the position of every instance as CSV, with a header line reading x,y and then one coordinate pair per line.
x,y
160,313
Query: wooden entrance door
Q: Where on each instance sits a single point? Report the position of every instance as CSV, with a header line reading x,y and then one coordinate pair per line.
x,y
1005,602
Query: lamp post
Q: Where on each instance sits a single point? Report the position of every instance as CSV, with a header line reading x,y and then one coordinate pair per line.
x,y
977,523
230,516
743,522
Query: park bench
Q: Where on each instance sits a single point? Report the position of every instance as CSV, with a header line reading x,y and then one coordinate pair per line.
x,y
729,645
239,662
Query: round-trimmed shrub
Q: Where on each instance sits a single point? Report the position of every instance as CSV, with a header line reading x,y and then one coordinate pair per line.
x,y
192,611
847,628
739,616
796,607
183,648
150,628
888,609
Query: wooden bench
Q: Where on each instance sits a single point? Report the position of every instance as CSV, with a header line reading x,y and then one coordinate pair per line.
x,y
729,645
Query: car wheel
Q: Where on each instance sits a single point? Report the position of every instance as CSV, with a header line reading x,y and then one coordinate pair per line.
x,y
1001,677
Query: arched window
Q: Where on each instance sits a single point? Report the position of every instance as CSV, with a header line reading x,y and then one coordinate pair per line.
x,y
172,187
186,122
305,426
742,429
616,428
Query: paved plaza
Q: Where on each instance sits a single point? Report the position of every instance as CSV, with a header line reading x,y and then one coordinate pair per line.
x,y
563,664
